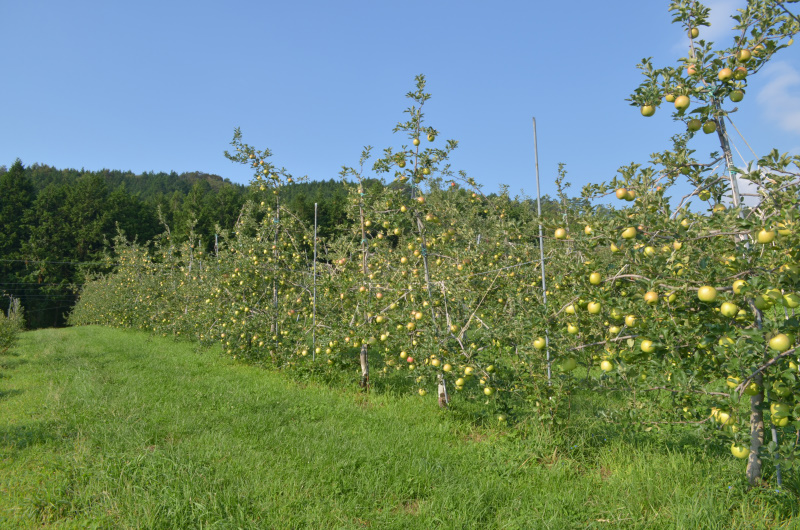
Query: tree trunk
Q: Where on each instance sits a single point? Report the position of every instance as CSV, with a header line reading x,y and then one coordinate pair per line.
x,y
444,399
364,367
756,434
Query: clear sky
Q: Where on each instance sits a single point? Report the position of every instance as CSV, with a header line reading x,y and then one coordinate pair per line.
x,y
160,86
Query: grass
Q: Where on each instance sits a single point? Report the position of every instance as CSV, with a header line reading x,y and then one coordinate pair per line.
x,y
105,428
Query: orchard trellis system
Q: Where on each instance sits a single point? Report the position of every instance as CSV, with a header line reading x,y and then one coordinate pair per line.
x,y
677,312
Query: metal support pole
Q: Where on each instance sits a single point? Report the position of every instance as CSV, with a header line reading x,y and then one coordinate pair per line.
x,y
541,245
726,149
314,313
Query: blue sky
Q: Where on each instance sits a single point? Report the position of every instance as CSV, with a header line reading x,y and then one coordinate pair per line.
x,y
160,86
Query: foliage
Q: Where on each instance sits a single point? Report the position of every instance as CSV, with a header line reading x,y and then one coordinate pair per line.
x,y
431,280
11,324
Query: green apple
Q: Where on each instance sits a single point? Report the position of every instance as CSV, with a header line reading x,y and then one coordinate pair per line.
x,y
707,293
729,309
765,236
739,451
780,342
568,364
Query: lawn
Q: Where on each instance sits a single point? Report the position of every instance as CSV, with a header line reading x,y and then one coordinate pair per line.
x,y
105,428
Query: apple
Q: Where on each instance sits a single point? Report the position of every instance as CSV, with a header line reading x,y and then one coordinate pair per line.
x,y
651,297
629,233
647,346
694,124
539,343
649,110
781,389
739,451
726,74
621,193
560,233
737,96
630,321
791,300
780,422
724,418
670,98
682,102
431,137
649,251
488,391
568,364
677,245
779,410
572,329
595,278
570,309
740,73
587,230
765,236
738,285
763,302
593,307
606,366
752,389
732,381
709,127
693,33
707,293
729,309
744,55
447,367
415,141
780,342
614,330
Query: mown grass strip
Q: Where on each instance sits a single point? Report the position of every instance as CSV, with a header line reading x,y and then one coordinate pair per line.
x,y
115,429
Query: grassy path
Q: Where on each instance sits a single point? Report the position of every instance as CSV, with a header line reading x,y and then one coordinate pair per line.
x,y
114,429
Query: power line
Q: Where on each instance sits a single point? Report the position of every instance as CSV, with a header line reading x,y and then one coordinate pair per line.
x,y
37,283
57,262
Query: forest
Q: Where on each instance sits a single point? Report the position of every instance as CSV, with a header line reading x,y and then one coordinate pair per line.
x,y
59,224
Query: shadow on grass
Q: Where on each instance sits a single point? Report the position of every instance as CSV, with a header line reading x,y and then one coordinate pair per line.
x,y
11,364
4,394
19,437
